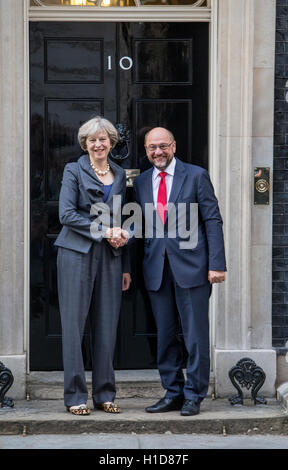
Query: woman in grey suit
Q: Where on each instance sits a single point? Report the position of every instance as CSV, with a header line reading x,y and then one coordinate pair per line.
x,y
92,270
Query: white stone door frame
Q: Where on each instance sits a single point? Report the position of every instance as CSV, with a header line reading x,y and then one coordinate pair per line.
x,y
245,110
242,38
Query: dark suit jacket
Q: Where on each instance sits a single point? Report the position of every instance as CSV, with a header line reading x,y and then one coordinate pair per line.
x,y
79,191
191,184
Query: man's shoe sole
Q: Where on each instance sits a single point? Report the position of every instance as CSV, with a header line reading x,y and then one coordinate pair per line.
x,y
190,414
164,411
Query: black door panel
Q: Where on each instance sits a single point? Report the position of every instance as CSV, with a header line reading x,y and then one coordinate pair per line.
x,y
68,86
167,85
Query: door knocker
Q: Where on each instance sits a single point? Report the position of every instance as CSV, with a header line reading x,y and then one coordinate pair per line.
x,y
121,151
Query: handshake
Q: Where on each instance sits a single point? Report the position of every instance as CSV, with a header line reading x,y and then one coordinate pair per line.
x,y
117,237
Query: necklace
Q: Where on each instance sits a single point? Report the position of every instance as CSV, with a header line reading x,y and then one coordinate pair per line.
x,y
100,172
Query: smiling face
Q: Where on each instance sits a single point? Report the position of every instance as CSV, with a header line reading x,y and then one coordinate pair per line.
x,y
160,148
98,146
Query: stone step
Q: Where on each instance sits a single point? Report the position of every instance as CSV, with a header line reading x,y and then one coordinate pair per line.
x,y
216,417
129,383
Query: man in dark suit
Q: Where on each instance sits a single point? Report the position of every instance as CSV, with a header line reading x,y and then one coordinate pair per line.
x,y
179,280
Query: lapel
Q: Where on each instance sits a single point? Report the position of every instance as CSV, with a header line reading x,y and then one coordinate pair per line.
x,y
147,186
178,180
91,182
117,183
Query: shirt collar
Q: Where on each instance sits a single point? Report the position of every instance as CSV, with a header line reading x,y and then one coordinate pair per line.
x,y
169,170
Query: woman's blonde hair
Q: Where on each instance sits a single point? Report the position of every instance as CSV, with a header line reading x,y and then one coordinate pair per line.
x,y
95,125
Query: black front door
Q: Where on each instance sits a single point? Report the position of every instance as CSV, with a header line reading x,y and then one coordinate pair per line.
x,y
138,74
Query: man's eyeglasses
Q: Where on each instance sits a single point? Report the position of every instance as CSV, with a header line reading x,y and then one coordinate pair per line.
x,y
153,148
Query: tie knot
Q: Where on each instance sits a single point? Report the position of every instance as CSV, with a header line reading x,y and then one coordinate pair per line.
x,y
162,174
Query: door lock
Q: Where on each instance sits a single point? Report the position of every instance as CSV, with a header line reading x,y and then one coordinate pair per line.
x,y
261,185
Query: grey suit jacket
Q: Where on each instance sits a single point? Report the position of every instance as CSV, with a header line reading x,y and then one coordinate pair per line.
x,y
79,191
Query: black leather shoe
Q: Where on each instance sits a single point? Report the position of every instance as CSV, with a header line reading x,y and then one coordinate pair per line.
x,y
166,404
190,408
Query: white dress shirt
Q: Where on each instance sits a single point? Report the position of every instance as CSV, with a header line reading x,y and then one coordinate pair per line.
x,y
168,178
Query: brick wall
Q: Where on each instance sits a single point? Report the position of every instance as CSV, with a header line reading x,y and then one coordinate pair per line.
x,y
280,183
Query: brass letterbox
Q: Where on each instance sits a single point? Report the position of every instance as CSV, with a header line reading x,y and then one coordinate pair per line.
x,y
130,175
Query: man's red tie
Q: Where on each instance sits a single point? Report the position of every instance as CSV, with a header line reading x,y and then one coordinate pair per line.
x,y
162,197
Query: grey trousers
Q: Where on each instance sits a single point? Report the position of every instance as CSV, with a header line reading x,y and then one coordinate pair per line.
x,y
89,284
